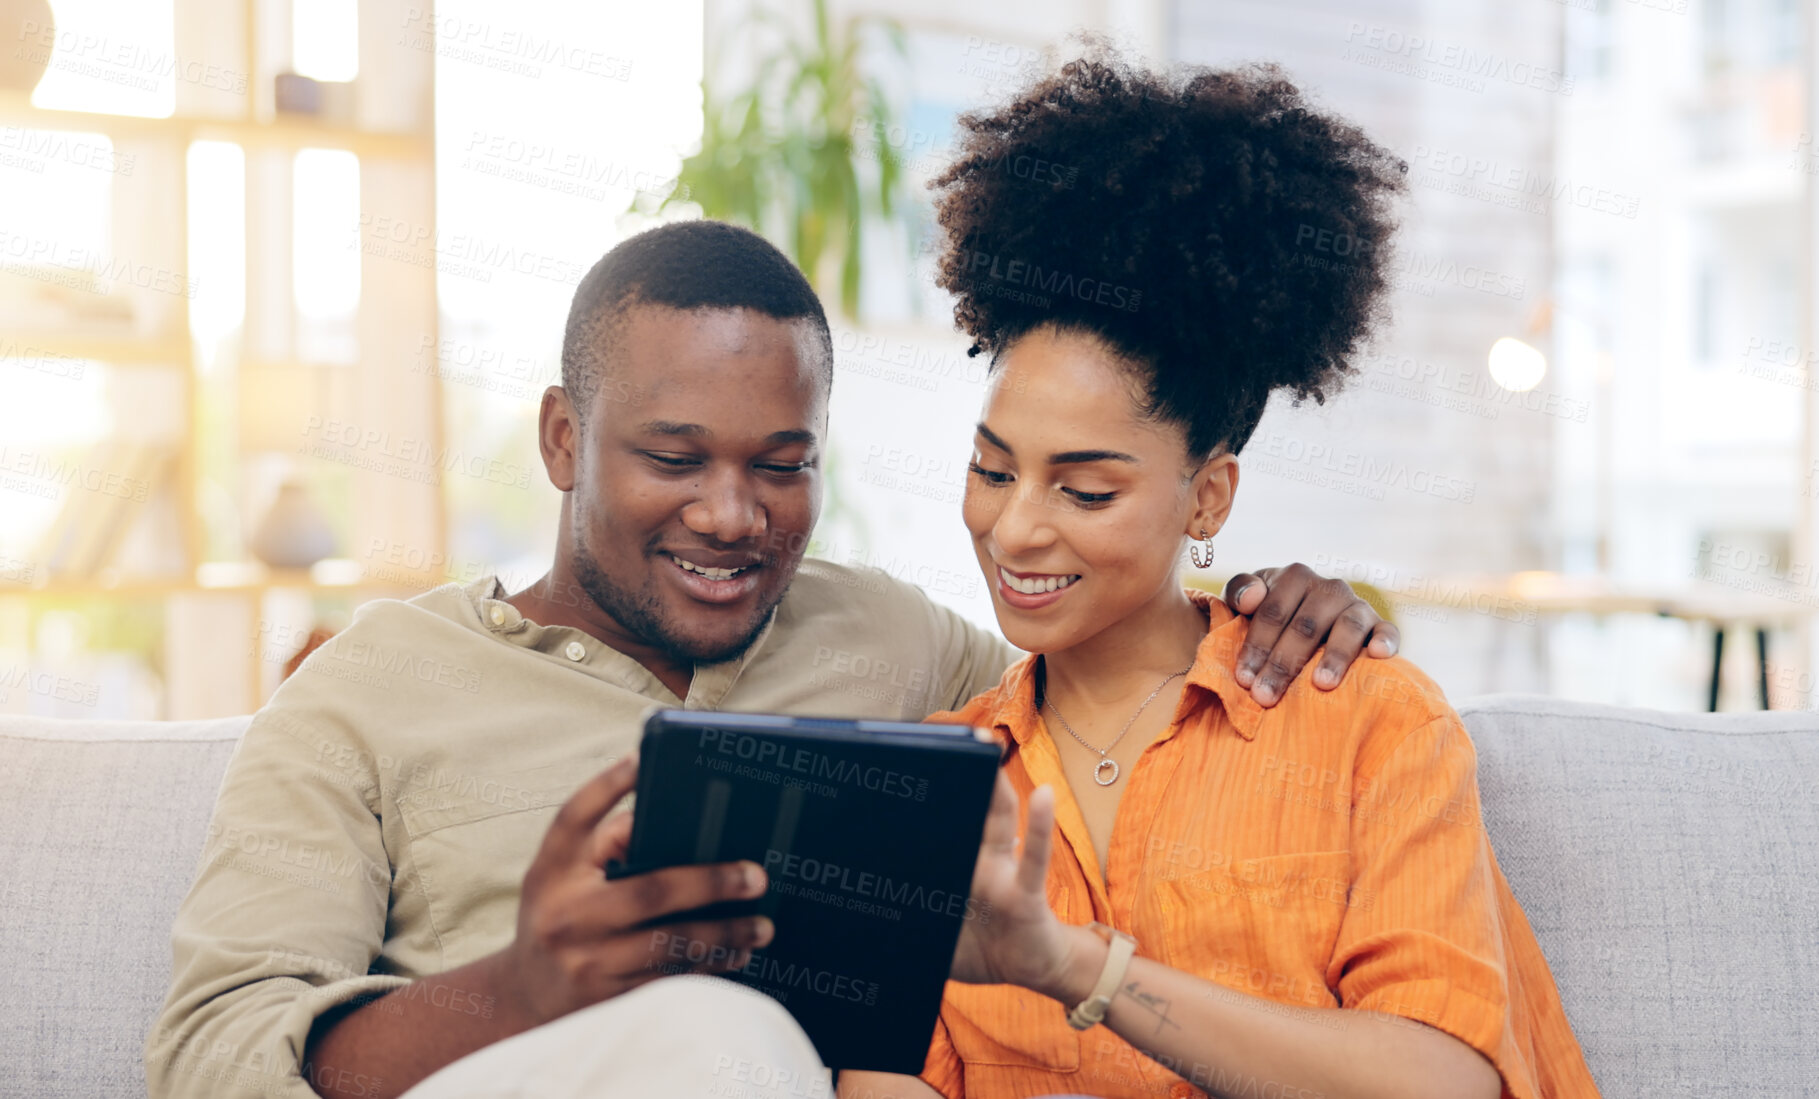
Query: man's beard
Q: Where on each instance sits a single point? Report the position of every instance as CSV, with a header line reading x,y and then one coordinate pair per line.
x,y
642,616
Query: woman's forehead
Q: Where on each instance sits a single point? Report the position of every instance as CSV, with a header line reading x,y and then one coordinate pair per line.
x,y
1069,397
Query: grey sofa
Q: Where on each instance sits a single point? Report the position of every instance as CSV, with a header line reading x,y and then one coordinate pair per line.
x,y
1669,864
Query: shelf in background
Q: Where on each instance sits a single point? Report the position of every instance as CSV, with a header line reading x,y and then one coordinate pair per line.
x,y
333,576
285,131
129,350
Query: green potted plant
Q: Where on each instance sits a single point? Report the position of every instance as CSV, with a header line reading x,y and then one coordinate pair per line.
x,y
798,154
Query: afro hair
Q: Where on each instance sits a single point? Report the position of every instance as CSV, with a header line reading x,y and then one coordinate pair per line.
x,y
1209,226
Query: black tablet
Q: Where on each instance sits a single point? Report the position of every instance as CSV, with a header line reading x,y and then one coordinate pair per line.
x,y
868,831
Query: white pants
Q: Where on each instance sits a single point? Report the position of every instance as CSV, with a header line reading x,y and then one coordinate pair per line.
x,y
683,1036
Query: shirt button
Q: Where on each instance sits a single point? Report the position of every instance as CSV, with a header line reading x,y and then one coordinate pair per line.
x,y
498,616
576,650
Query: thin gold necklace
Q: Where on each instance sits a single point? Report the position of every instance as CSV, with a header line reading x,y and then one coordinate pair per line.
x,y
1105,762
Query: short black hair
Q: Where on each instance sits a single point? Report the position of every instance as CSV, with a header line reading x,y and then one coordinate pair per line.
x,y
1177,217
682,265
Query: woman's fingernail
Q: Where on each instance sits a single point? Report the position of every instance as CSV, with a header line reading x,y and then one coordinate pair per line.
x,y
1326,677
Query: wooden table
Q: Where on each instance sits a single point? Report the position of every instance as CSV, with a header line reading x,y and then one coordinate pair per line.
x,y
1538,593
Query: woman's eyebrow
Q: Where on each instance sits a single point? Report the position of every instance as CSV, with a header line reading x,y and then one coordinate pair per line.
x,y
1061,458
1074,457
992,438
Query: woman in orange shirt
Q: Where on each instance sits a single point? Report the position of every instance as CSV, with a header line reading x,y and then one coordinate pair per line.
x,y
1213,897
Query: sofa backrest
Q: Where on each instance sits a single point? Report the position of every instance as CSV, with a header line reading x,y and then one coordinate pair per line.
x,y
1669,864
101,824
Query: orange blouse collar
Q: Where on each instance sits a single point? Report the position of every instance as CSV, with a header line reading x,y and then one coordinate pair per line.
x,y
1213,672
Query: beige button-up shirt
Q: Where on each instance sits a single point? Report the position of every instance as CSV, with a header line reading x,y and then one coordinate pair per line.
x,y
377,818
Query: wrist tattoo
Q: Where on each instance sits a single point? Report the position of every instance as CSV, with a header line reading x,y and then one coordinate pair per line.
x,y
1152,1003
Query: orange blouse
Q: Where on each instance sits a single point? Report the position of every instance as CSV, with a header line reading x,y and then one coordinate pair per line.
x,y
1327,852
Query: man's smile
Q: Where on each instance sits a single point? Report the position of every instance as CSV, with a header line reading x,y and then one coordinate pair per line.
x,y
715,578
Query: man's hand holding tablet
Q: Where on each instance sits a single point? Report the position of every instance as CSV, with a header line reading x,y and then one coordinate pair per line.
x,y
582,938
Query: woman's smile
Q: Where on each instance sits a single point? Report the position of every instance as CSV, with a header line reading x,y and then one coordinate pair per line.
x,y
1030,591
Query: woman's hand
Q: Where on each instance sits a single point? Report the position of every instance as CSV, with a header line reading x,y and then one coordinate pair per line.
x,y
1011,936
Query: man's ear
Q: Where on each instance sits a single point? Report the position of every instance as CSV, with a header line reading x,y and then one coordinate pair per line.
x,y
1214,486
558,437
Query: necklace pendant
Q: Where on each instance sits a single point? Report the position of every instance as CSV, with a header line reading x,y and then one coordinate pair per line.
x,y
1099,775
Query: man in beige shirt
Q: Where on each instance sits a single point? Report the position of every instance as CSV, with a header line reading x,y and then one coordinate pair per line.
x,y
404,865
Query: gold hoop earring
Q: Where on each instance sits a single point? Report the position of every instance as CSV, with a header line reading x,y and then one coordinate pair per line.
x,y
1193,551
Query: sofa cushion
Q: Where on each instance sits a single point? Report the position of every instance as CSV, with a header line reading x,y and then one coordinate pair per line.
x,y
1669,864
101,824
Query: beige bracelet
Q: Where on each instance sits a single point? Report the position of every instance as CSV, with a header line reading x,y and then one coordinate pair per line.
x,y
1090,1012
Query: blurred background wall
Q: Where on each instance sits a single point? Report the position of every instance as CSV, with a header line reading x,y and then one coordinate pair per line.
x,y
281,285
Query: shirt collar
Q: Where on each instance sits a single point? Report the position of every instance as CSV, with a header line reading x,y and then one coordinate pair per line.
x,y
1215,667
1214,672
707,687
